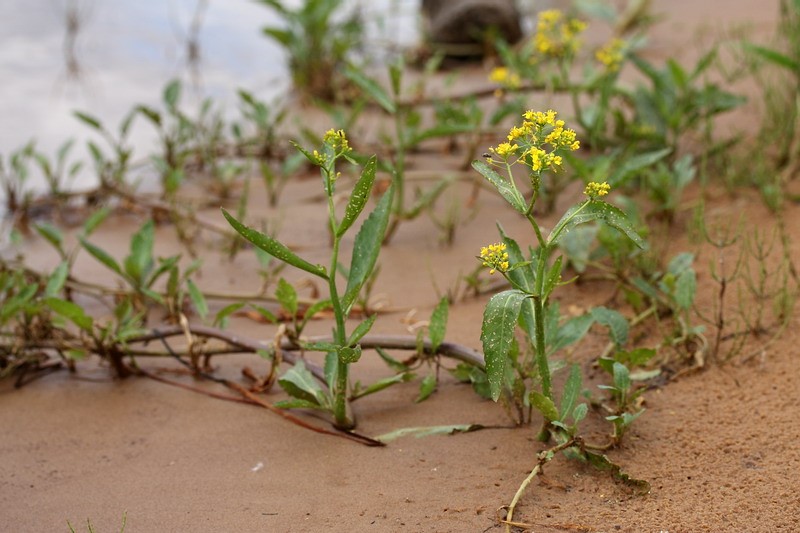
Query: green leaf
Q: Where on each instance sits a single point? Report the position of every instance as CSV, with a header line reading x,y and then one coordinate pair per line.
x,y
570,332
635,163
506,189
299,383
438,324
88,119
359,196
94,220
497,335
426,388
361,330
348,355
56,280
523,277
617,324
102,256
298,404
544,405
580,412
198,300
52,235
313,309
775,57
320,346
366,248
390,361
381,384
172,93
590,210
287,296
140,261
428,431
603,463
553,277
221,320
572,389
685,289
151,114
273,247
71,311
371,87
622,377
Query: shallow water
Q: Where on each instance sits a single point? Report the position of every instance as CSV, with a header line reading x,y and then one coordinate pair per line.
x,y
123,53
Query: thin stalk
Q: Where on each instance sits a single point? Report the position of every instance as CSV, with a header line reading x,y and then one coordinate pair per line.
x,y
398,178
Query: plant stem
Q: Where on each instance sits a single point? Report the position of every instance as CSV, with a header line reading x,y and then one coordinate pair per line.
x,y
543,457
341,419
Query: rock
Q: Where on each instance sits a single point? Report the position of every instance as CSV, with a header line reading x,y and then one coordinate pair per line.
x,y
463,27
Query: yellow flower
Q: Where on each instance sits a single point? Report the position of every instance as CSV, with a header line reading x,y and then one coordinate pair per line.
x,y
556,35
505,149
505,77
595,190
337,140
611,54
495,257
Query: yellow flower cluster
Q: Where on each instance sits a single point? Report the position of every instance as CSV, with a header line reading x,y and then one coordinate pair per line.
x,y
556,34
337,140
595,190
540,138
611,54
505,77
495,257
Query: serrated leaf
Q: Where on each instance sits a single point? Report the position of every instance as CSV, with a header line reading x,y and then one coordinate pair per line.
x,y
426,388
366,247
299,383
198,300
361,330
274,247
287,296
591,210
438,324
572,389
503,186
428,431
371,87
71,311
579,413
390,361
497,335
616,323
359,196
544,405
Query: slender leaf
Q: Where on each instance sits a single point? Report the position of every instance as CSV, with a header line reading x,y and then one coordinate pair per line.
x,y
503,186
361,330
71,311
359,196
617,324
590,210
198,300
88,119
438,324
287,296
572,389
544,404
102,256
274,247
428,431
57,279
371,87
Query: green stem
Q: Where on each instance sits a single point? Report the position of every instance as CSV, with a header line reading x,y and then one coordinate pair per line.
x,y
539,302
341,420
398,178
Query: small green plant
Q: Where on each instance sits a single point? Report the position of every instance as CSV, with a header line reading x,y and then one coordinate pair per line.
x,y
345,348
318,42
537,145
90,527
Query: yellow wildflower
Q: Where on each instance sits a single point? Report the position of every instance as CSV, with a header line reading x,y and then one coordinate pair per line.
x,y
337,140
505,149
505,77
556,35
595,190
611,54
495,257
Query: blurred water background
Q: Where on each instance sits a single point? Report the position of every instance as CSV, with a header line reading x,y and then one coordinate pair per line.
x,y
105,56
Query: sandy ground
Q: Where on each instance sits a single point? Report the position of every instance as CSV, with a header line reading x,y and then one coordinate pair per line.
x,y
719,447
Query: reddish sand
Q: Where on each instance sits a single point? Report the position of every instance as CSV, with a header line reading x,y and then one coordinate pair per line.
x,y
719,446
